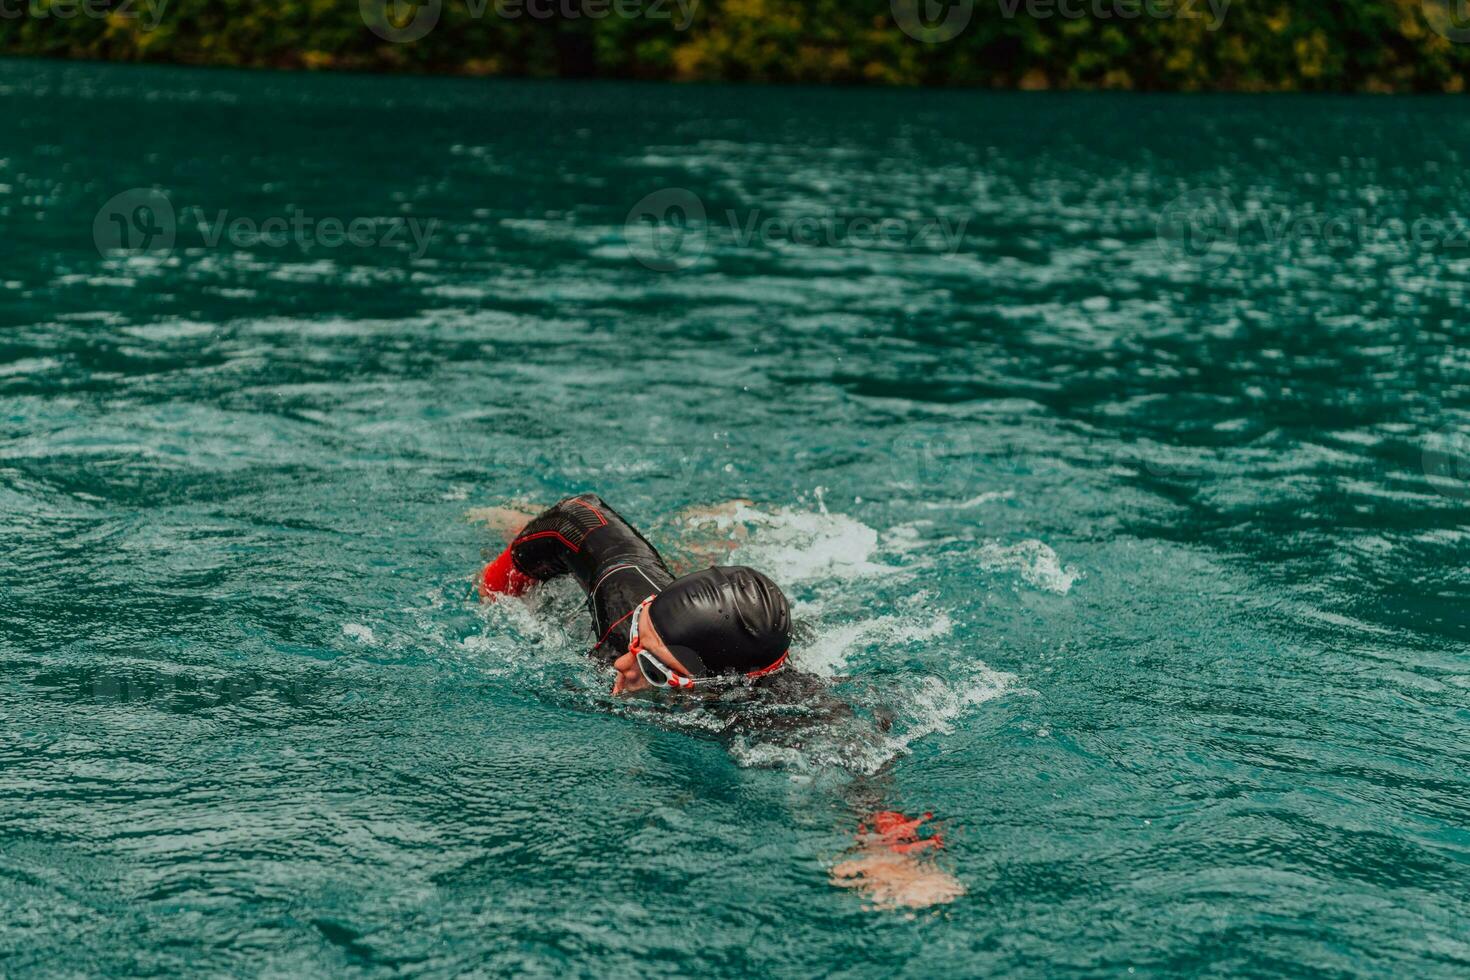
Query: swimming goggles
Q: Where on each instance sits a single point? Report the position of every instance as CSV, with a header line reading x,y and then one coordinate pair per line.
x,y
654,670
659,674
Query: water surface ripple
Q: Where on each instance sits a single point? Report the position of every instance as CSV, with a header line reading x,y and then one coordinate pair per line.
x,y
1136,546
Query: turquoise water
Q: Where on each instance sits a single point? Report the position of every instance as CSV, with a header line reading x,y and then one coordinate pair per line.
x,y
1153,549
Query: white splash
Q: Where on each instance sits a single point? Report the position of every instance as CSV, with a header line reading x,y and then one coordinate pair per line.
x,y
1037,563
804,545
988,496
927,707
938,705
359,632
828,654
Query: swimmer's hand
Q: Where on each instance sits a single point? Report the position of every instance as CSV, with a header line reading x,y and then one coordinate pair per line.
x,y
500,577
889,865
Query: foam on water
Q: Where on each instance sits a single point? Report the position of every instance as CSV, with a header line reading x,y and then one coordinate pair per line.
x,y
805,546
828,652
1037,563
989,496
927,706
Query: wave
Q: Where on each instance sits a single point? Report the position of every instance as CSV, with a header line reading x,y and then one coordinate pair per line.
x,y
1037,563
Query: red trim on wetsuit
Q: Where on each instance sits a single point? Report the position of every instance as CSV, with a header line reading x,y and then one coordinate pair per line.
x,y
576,549
593,509
615,625
583,537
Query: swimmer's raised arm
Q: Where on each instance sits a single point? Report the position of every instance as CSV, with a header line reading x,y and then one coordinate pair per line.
x,y
543,546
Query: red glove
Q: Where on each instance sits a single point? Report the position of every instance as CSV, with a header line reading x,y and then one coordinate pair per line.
x,y
501,577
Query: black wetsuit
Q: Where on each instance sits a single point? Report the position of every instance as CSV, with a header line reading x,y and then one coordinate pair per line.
x,y
617,569
615,566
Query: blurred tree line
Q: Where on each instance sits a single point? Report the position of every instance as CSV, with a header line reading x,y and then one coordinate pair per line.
x,y
1187,45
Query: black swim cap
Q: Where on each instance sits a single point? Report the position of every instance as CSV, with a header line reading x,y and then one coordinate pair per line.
x,y
734,620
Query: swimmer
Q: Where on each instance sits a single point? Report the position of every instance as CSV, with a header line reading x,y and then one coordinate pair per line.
x,y
655,630
692,633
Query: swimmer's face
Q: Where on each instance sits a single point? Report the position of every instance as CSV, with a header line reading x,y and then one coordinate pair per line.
x,y
630,678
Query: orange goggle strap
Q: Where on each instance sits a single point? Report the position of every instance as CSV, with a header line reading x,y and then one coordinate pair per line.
x,y
780,662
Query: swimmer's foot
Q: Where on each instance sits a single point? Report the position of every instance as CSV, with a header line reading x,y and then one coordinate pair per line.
x,y
505,521
890,868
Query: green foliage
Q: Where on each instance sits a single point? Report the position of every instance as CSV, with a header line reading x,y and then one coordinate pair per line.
x,y
1256,45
